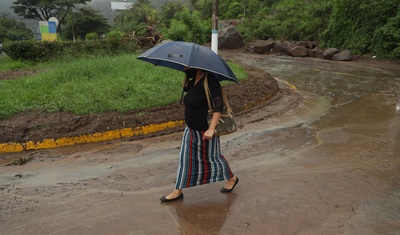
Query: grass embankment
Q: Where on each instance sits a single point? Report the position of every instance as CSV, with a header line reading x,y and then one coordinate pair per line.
x,y
91,85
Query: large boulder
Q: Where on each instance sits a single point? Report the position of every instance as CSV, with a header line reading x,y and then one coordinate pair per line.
x,y
345,55
316,53
263,46
230,38
312,44
279,46
301,43
289,47
328,53
299,51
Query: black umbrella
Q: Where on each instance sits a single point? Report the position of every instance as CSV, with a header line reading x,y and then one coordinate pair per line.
x,y
178,55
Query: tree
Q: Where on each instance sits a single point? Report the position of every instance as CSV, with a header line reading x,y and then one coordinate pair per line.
x,y
193,4
83,22
44,9
12,30
187,25
168,12
138,17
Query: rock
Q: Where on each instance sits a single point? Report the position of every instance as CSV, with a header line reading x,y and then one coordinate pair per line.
x,y
299,51
249,49
328,53
345,55
311,44
230,38
289,47
301,43
279,46
264,46
316,53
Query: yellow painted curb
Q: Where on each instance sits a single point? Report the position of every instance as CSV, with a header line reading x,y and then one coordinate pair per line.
x,y
89,138
100,136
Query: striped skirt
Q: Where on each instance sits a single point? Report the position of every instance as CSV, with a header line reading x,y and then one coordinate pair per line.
x,y
200,161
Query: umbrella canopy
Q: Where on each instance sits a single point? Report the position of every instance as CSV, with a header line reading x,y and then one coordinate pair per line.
x,y
178,55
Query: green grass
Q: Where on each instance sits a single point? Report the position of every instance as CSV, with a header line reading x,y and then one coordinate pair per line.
x,y
91,85
6,63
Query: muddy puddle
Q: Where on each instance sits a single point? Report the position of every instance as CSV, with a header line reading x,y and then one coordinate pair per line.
x,y
326,164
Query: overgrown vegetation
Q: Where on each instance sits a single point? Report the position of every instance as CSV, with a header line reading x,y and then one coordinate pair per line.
x,y
289,20
11,30
40,51
92,85
363,26
188,26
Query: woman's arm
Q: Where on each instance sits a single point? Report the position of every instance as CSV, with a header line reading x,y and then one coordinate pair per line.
x,y
211,129
215,89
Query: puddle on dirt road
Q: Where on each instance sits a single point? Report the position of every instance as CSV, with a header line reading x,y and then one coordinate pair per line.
x,y
330,165
342,81
356,136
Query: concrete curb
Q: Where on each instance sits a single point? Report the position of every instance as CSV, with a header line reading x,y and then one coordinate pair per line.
x,y
105,136
89,138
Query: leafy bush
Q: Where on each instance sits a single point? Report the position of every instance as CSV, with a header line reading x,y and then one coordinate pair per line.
x,y
178,31
364,26
91,36
115,34
11,30
286,20
31,50
44,50
188,26
259,27
386,40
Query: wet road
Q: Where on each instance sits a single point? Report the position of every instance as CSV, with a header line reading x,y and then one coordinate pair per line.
x,y
328,166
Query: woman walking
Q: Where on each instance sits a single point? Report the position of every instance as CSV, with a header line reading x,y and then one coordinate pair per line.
x,y
200,158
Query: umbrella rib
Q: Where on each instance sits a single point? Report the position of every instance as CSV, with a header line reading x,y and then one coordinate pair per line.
x,y
165,60
190,56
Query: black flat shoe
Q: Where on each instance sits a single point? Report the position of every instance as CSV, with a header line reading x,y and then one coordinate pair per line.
x,y
225,190
163,199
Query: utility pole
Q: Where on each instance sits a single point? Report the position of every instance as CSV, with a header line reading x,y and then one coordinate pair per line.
x,y
72,20
214,33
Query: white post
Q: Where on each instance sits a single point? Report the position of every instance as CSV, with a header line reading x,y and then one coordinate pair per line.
x,y
214,33
214,41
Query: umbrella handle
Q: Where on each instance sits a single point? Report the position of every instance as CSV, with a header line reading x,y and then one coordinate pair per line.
x,y
185,81
182,95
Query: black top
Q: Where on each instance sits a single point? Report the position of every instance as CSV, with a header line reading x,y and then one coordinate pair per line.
x,y
196,106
